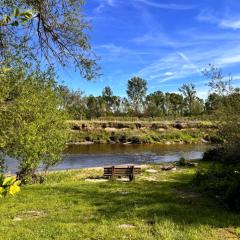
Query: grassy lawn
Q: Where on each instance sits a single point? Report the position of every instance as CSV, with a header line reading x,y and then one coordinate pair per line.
x,y
160,205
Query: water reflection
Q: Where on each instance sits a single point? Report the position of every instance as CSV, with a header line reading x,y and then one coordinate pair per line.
x,y
82,156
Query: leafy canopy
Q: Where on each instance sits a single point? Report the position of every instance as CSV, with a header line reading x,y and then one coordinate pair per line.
x,y
56,30
32,121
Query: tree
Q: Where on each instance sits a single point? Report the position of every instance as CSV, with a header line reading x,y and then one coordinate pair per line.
x,y
33,128
155,104
228,110
222,176
213,102
56,29
93,107
107,95
176,104
136,91
189,93
73,102
217,81
116,105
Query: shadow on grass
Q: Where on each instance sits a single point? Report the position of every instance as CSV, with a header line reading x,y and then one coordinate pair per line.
x,y
151,202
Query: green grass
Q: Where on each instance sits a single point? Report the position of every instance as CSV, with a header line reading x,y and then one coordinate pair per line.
x,y
162,205
140,132
141,136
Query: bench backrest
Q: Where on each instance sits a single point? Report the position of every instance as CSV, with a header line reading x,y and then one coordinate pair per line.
x,y
121,171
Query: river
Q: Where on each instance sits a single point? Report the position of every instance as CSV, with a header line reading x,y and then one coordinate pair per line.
x,y
99,155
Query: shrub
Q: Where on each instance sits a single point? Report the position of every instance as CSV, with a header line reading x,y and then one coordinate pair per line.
x,y
222,181
215,154
182,162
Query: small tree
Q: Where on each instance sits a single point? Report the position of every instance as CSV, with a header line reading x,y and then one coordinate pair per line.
x,y
107,95
189,93
33,127
136,91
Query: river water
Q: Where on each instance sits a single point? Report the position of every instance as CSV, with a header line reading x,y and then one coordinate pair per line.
x,y
99,155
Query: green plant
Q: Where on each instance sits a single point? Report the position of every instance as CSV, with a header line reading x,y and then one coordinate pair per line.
x,y
182,162
9,185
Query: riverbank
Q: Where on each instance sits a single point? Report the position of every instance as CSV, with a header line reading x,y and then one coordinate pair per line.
x,y
143,132
158,205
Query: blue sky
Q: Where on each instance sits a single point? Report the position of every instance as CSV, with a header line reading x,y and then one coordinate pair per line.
x,y
166,42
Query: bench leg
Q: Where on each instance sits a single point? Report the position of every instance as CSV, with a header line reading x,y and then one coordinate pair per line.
x,y
131,178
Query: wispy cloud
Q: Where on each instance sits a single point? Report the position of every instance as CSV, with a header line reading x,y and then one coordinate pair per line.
x,y
230,23
112,48
114,53
103,4
174,66
189,64
161,39
222,22
229,59
169,6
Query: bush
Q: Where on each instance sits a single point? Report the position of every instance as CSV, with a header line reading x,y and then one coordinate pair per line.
x,y
215,154
182,162
223,154
221,181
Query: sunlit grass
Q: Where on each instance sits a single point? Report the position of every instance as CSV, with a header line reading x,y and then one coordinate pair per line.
x,y
161,205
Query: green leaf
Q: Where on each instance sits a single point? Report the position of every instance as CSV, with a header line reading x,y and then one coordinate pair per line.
x,y
8,181
16,12
15,23
1,191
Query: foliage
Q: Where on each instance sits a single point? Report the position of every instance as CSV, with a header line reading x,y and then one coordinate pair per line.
x,y
9,185
136,91
138,105
57,29
32,121
182,162
221,181
223,177
16,18
193,103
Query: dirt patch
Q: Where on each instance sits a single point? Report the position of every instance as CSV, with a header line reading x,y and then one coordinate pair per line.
x,y
95,180
186,194
111,129
30,215
226,234
124,226
150,179
151,171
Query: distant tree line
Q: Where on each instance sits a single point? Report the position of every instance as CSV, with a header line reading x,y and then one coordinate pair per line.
x,y
140,104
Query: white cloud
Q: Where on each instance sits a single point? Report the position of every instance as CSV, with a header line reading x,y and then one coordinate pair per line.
x,y
103,4
170,6
161,39
189,64
229,59
113,48
173,66
168,74
112,53
227,23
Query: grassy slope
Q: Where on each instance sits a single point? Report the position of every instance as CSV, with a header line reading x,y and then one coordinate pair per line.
x,y
141,131
68,207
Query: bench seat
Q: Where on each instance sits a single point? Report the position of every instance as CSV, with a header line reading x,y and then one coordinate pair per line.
x,y
115,171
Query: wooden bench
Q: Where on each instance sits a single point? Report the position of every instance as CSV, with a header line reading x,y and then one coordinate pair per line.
x,y
114,171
